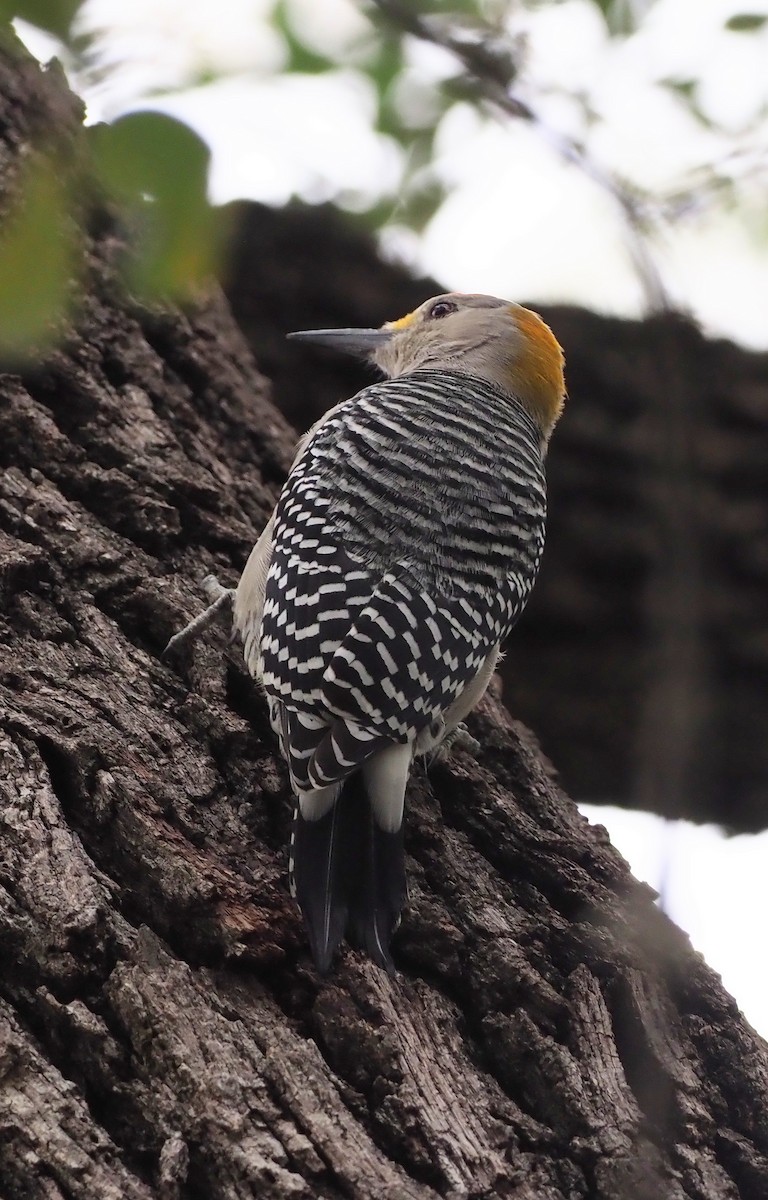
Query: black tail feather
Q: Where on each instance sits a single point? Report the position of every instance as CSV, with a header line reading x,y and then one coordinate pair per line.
x,y
379,893
318,883
349,876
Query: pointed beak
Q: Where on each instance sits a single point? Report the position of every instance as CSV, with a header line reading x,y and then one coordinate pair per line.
x,y
360,342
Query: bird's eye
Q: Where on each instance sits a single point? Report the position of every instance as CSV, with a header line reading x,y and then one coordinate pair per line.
x,y
441,309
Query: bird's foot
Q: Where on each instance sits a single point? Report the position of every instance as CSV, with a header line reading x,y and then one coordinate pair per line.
x,y
219,597
459,738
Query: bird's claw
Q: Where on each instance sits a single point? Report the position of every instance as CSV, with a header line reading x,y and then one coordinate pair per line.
x,y
219,597
459,738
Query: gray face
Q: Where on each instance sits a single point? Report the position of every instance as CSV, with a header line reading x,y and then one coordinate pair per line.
x,y
456,301
481,336
365,343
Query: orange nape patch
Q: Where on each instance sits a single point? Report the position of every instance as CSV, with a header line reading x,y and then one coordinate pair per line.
x,y
538,367
403,322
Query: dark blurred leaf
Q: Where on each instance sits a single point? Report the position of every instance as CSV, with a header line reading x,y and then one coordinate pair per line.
x,y
383,69
683,87
464,88
420,152
373,219
301,58
387,62
619,16
53,15
687,91
746,22
449,8
418,205
414,207
436,8
157,169
37,263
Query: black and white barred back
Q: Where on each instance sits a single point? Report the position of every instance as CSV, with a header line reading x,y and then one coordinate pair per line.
x,y
407,539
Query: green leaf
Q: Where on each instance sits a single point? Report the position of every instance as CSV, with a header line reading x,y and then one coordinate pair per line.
x,y
619,16
687,91
157,170
746,22
386,63
450,8
37,263
301,58
54,15
419,205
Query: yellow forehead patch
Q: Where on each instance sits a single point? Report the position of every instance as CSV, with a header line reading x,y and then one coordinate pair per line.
x,y
403,322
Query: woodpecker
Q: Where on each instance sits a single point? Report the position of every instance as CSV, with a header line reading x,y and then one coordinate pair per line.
x,y
402,550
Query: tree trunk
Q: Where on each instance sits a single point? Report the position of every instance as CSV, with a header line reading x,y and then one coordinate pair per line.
x,y
550,1034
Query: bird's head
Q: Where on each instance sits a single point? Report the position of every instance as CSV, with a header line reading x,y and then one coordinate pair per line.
x,y
477,335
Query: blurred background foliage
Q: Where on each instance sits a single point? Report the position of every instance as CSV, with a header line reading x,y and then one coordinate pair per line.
x,y
155,167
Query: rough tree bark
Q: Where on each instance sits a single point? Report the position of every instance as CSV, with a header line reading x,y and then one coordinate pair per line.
x,y
550,1034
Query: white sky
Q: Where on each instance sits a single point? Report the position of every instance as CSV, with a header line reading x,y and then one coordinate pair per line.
x,y
714,887
517,222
